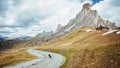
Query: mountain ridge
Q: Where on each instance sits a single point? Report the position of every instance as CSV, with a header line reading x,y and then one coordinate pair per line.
x,y
86,17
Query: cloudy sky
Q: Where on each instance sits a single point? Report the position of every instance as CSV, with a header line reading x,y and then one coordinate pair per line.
x,y
30,17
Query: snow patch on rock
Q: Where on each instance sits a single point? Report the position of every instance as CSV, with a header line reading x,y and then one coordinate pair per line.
x,y
111,31
118,32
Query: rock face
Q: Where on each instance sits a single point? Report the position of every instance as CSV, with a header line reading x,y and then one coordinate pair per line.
x,y
87,17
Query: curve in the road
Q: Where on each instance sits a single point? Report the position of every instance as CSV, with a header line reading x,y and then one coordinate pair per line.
x,y
43,61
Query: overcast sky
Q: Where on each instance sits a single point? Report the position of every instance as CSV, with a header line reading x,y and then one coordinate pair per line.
x,y
30,17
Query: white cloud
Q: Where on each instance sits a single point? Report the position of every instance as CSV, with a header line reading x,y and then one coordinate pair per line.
x,y
33,17
10,19
109,9
5,29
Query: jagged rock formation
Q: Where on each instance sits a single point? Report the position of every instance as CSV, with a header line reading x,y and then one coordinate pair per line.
x,y
42,37
87,17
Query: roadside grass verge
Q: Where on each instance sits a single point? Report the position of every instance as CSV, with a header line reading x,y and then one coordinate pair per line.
x,y
12,58
67,53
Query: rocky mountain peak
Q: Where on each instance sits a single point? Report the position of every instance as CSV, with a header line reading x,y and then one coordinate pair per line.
x,y
87,17
86,6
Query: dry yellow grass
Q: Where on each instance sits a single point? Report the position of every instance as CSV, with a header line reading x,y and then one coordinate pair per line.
x,y
11,58
87,49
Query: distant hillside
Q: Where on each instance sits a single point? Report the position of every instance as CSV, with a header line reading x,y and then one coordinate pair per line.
x,y
10,43
3,38
7,44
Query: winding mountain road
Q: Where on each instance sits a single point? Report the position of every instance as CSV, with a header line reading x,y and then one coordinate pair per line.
x,y
43,61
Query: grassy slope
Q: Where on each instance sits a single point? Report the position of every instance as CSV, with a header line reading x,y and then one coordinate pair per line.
x,y
87,49
11,58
